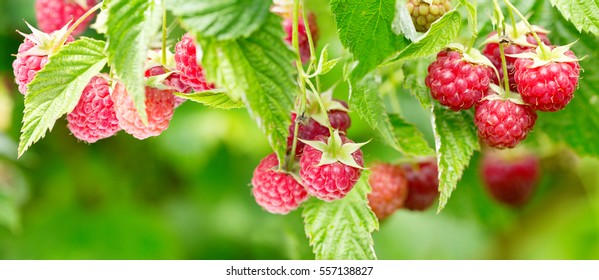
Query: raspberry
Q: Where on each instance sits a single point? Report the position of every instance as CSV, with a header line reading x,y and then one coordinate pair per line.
x,y
510,179
160,106
325,175
304,43
548,87
54,14
492,52
423,14
503,123
339,120
33,55
389,189
423,184
173,80
187,62
94,117
457,83
277,192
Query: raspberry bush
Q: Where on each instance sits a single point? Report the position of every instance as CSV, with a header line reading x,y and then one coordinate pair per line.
x,y
490,87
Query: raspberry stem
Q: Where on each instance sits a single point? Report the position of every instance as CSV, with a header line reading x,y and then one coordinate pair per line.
x,y
76,24
501,27
164,28
545,53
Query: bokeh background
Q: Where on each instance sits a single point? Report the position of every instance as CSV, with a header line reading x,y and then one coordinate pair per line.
x,y
186,193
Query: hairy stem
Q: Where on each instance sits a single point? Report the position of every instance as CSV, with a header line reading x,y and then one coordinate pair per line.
x,y
77,23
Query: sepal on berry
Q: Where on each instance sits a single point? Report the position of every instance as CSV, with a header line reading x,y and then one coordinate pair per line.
x,y
45,44
542,58
335,151
518,37
315,111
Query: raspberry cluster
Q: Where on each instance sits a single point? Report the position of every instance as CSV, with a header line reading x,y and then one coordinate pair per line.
x,y
540,78
413,186
105,107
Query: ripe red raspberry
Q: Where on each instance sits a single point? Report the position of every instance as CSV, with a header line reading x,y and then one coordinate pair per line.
x,y
503,123
325,175
304,43
457,83
339,120
94,117
186,58
33,55
423,14
54,14
492,52
510,179
160,105
173,80
548,87
389,189
423,184
277,192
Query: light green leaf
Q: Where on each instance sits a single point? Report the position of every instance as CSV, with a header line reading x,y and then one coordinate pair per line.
x,y
57,88
341,230
212,98
257,70
131,24
584,14
441,33
365,28
456,141
472,16
366,101
222,19
410,139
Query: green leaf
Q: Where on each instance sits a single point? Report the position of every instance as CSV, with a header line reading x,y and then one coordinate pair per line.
x,y
9,215
410,139
575,125
341,230
365,27
366,101
584,14
441,33
456,139
57,88
472,17
131,24
222,19
257,70
213,98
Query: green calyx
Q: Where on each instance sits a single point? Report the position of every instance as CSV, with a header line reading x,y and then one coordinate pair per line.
x,y
335,151
45,44
543,55
319,114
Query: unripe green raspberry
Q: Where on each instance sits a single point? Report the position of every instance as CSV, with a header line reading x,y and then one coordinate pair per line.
x,y
424,14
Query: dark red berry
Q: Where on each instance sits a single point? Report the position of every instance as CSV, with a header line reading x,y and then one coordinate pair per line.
x,y
423,184
510,180
389,189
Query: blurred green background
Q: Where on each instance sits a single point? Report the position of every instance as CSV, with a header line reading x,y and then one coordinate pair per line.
x,y
186,193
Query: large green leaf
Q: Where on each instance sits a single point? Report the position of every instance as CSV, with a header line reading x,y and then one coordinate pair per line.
x,y
456,139
223,19
57,88
575,125
394,131
257,70
584,14
365,27
131,24
341,230
441,33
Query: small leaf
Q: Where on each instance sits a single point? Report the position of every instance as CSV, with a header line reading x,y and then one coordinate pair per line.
x,y
257,70
441,33
131,24
212,98
584,14
410,139
456,140
472,17
402,23
341,230
365,28
57,88
324,64
222,19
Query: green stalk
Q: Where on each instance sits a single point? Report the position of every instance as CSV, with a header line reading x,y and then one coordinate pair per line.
x,y
76,24
164,28
545,54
